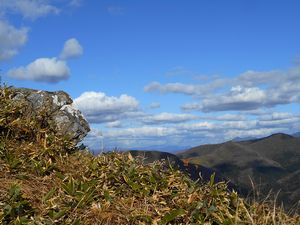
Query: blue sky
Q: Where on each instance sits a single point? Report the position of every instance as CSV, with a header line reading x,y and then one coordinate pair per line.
x,y
161,73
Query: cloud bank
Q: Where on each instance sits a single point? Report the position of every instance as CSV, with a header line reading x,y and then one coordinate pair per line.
x,y
191,133
98,107
11,40
249,91
49,70
29,9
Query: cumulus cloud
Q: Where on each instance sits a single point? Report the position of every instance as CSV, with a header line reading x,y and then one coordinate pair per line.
x,y
98,107
50,70
238,98
43,69
72,49
280,87
251,90
250,96
164,118
29,9
173,88
198,90
11,39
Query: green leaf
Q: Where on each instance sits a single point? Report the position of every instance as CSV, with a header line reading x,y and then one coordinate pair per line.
x,y
49,194
107,196
212,179
60,175
172,215
56,215
77,222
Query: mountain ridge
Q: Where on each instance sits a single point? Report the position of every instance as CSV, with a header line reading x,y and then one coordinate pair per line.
x,y
267,161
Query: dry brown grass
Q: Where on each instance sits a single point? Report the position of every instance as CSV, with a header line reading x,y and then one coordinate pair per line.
x,y
46,180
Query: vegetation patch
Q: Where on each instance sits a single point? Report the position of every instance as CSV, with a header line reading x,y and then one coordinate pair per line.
x,y
45,179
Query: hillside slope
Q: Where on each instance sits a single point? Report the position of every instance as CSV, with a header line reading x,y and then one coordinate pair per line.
x,y
194,171
46,179
266,162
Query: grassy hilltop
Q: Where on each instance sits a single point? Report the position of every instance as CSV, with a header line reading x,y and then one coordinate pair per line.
x,y
45,179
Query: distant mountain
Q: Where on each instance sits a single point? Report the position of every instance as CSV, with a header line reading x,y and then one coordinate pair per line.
x,y
166,148
194,171
296,134
272,162
237,139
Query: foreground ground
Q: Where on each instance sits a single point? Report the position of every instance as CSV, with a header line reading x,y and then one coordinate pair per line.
x,y
45,179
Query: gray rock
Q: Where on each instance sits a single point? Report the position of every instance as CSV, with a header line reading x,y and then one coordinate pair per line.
x,y
68,120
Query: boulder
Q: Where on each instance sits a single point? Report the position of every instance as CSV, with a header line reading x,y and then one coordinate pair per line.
x,y
67,119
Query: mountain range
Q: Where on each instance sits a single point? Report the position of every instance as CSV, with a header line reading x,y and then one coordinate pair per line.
x,y
257,165
296,134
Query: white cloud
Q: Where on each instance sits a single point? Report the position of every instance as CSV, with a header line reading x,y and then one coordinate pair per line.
x,y
195,133
173,88
281,87
198,90
72,49
29,9
225,117
252,96
144,132
251,90
230,117
11,39
131,137
253,78
168,118
278,119
201,126
241,125
195,106
98,107
239,98
276,116
49,70
114,124
280,123
254,133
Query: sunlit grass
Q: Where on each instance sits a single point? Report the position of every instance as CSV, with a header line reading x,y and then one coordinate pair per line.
x,y
45,179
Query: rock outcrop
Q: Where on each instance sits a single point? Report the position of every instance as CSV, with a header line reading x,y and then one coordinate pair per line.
x,y
67,120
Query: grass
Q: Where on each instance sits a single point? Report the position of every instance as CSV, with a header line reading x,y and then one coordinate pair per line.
x,y
45,179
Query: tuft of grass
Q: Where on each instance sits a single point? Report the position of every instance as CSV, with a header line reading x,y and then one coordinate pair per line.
x,y
45,179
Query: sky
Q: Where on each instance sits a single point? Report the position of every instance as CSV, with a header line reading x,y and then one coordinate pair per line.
x,y
160,74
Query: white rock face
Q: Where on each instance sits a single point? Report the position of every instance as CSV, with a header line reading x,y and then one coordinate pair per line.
x,y
68,120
